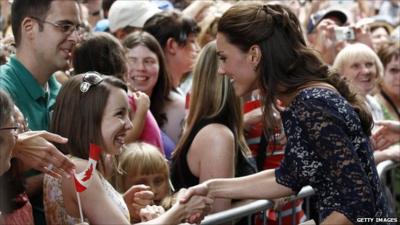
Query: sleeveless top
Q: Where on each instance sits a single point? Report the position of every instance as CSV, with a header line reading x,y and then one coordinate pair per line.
x,y
182,177
54,201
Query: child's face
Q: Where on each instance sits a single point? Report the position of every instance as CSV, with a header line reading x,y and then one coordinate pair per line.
x,y
158,183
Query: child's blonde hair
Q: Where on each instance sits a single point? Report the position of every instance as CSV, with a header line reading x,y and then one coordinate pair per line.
x,y
140,158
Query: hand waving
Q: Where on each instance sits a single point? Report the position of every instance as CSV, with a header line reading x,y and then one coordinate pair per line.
x,y
34,149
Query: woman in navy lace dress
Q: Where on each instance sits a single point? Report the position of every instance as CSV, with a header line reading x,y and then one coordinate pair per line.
x,y
326,125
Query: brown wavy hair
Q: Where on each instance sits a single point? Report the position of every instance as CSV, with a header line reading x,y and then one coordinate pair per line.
x,y
286,59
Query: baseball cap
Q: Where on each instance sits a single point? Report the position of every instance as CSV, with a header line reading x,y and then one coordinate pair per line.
x,y
323,14
102,25
130,13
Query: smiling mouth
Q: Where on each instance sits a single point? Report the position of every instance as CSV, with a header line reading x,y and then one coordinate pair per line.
x,y
140,78
120,139
67,52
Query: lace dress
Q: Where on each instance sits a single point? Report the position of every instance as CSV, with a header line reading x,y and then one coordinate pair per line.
x,y
327,149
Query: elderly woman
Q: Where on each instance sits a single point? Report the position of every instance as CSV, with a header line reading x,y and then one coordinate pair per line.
x,y
8,130
33,150
362,69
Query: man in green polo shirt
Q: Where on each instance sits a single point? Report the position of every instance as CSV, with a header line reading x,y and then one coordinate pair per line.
x,y
34,100
45,34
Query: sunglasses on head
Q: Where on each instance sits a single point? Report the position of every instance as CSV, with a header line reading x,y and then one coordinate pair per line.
x,y
90,79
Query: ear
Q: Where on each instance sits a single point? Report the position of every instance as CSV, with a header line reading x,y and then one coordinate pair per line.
x,y
171,46
254,54
27,27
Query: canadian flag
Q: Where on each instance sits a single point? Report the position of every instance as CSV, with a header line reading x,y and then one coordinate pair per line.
x,y
82,180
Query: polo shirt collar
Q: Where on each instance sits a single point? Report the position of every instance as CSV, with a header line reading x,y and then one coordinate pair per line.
x,y
27,80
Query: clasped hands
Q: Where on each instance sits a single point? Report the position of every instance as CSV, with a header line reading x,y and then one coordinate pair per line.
x,y
139,199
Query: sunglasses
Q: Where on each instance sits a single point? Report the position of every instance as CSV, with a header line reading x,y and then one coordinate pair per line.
x,y
90,79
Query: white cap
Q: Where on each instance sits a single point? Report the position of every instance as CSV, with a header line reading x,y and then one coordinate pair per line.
x,y
132,13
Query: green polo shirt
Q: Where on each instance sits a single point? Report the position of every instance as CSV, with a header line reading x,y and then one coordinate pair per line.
x,y
32,99
35,103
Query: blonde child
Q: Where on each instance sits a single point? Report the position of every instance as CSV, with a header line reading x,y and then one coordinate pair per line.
x,y
142,163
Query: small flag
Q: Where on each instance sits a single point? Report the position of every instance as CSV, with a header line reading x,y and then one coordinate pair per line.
x,y
82,180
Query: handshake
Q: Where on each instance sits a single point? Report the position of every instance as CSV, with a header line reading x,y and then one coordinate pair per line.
x,y
184,205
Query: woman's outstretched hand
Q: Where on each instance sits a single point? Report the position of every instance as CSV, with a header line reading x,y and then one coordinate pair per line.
x,y
34,149
200,189
196,206
387,134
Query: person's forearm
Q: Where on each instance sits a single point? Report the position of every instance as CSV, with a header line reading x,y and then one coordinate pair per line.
x,y
257,186
379,156
336,218
137,126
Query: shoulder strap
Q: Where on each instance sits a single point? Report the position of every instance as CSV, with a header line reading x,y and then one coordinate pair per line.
x,y
262,152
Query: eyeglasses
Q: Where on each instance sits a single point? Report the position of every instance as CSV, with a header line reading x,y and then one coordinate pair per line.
x,y
14,129
90,79
67,28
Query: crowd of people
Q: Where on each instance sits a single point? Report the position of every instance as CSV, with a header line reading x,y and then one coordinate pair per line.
x,y
198,106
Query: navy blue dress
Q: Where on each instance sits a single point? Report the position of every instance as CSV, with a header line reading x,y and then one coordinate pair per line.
x,y
327,149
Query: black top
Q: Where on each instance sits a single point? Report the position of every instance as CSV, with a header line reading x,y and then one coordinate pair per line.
x,y
182,177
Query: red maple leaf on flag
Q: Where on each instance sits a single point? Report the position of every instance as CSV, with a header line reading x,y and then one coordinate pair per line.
x,y
88,173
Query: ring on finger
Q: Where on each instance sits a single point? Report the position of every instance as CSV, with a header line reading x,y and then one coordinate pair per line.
x,y
50,166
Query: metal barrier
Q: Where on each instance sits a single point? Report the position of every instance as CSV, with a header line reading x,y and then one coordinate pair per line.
x,y
238,212
262,205
251,208
385,166
388,177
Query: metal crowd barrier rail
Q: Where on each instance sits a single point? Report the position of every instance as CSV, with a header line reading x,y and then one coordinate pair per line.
x,y
385,166
262,205
238,212
388,177
251,208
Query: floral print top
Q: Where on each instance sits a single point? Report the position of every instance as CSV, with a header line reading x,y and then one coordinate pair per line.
x,y
327,149
54,201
